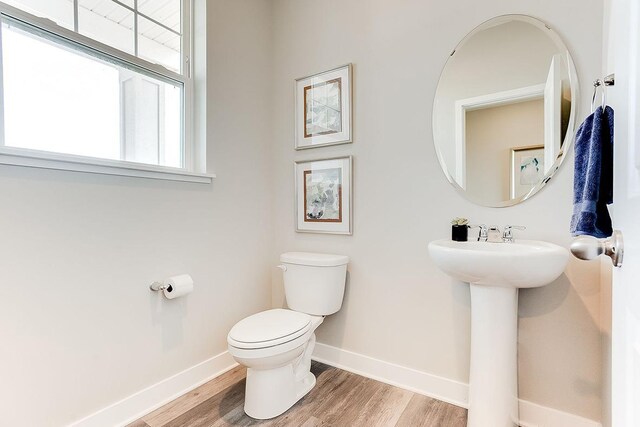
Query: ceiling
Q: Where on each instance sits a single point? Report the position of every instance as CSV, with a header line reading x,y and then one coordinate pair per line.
x,y
166,12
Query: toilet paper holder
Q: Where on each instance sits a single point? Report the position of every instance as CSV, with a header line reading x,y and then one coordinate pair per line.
x,y
174,286
159,286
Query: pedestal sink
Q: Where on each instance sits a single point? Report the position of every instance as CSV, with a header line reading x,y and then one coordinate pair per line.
x,y
495,272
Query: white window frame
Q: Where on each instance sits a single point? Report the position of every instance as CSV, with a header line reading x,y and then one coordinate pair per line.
x,y
59,161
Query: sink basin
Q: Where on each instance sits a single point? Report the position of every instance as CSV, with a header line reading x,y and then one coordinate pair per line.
x,y
495,272
523,264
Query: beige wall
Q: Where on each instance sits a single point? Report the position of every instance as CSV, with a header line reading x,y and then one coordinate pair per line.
x,y
79,328
490,135
399,307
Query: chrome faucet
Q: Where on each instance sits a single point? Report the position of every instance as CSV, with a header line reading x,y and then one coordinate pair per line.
x,y
482,235
493,235
507,236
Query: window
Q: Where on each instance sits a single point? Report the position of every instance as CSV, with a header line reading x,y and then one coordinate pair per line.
x,y
97,81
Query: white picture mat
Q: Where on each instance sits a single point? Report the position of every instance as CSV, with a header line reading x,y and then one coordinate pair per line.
x,y
342,137
518,154
344,227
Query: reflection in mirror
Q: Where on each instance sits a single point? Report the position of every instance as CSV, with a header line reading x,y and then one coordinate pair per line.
x,y
504,110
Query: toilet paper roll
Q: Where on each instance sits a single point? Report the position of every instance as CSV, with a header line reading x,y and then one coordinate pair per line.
x,y
178,286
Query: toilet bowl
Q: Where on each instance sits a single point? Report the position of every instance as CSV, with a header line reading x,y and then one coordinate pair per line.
x,y
276,345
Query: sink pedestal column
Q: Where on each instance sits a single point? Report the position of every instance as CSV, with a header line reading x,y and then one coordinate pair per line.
x,y
493,376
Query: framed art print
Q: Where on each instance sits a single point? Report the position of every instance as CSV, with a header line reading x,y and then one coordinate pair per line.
x,y
323,109
324,195
527,169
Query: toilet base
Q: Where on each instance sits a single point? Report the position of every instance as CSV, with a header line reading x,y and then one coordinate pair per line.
x,y
271,392
276,382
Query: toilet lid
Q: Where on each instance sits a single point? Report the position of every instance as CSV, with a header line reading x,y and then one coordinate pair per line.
x,y
268,328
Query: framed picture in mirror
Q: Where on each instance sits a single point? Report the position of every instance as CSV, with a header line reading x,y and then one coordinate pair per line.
x,y
323,195
527,169
323,109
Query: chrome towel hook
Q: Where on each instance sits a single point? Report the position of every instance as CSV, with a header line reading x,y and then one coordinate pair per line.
x,y
610,80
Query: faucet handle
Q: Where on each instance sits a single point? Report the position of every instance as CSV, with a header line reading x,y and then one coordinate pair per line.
x,y
507,236
482,235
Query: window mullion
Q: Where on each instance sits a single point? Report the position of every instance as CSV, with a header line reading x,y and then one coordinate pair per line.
x,y
76,18
188,150
186,36
135,28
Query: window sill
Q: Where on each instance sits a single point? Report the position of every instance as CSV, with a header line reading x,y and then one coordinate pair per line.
x,y
68,162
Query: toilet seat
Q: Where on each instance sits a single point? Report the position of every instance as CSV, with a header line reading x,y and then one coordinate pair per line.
x,y
268,329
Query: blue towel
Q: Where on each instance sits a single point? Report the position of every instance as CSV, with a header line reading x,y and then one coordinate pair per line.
x,y
593,175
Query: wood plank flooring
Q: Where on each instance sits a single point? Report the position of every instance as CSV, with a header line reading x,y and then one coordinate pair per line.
x,y
339,398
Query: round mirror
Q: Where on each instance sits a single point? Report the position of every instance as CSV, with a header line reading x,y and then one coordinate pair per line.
x,y
504,110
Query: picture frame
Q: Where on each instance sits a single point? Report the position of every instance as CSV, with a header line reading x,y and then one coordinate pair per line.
x,y
527,169
323,108
324,195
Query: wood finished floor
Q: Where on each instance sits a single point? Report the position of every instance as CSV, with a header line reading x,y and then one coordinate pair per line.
x,y
339,398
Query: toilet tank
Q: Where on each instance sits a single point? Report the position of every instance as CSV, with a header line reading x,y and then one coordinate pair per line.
x,y
314,283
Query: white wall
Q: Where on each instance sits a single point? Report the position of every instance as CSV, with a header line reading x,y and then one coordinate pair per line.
x,y
79,328
399,307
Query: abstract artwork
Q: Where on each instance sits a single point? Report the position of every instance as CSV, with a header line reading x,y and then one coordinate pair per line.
x,y
323,109
323,195
531,170
527,169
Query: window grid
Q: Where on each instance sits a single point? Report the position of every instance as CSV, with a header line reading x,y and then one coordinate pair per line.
x,y
184,77
136,15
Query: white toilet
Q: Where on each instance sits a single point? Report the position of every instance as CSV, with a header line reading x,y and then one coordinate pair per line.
x,y
276,345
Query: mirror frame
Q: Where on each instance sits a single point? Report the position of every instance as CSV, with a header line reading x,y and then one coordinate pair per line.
x,y
569,137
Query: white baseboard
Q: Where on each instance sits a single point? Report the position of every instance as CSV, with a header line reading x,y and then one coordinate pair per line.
x,y
419,382
141,403
444,389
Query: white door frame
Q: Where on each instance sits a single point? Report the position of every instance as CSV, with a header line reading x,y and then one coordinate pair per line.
x,y
622,50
